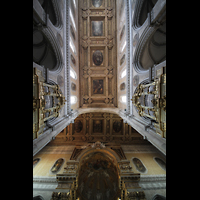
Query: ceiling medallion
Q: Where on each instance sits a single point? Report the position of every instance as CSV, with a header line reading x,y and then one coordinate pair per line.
x,y
97,57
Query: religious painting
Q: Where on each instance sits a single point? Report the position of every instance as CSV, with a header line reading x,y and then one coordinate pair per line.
x,y
73,86
97,3
97,126
122,59
123,86
122,32
97,28
97,58
78,126
139,165
98,178
35,161
57,165
73,59
117,126
161,163
97,86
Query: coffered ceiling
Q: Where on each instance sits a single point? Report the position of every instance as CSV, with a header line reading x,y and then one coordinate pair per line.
x,y
97,53
104,127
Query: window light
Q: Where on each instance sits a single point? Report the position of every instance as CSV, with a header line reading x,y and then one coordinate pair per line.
x,y
123,46
124,99
123,74
73,99
72,45
72,74
74,3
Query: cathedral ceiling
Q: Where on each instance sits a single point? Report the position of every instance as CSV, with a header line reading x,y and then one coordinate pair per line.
x,y
97,54
104,127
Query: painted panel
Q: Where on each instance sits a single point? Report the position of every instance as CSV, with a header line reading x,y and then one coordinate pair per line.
x,y
97,126
97,28
78,126
98,86
97,57
97,3
117,126
57,165
139,165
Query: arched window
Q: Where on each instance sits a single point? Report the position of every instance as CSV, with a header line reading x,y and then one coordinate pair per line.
x,y
73,99
160,162
73,74
123,99
123,73
72,45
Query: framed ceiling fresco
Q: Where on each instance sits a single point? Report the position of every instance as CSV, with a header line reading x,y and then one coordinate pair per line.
x,y
97,3
98,86
97,28
97,57
98,60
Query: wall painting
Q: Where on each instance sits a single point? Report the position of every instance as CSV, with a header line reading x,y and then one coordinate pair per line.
x,y
98,86
97,3
97,28
139,165
57,165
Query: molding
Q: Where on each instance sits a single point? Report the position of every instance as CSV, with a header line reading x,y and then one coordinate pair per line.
x,y
44,179
152,178
128,75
